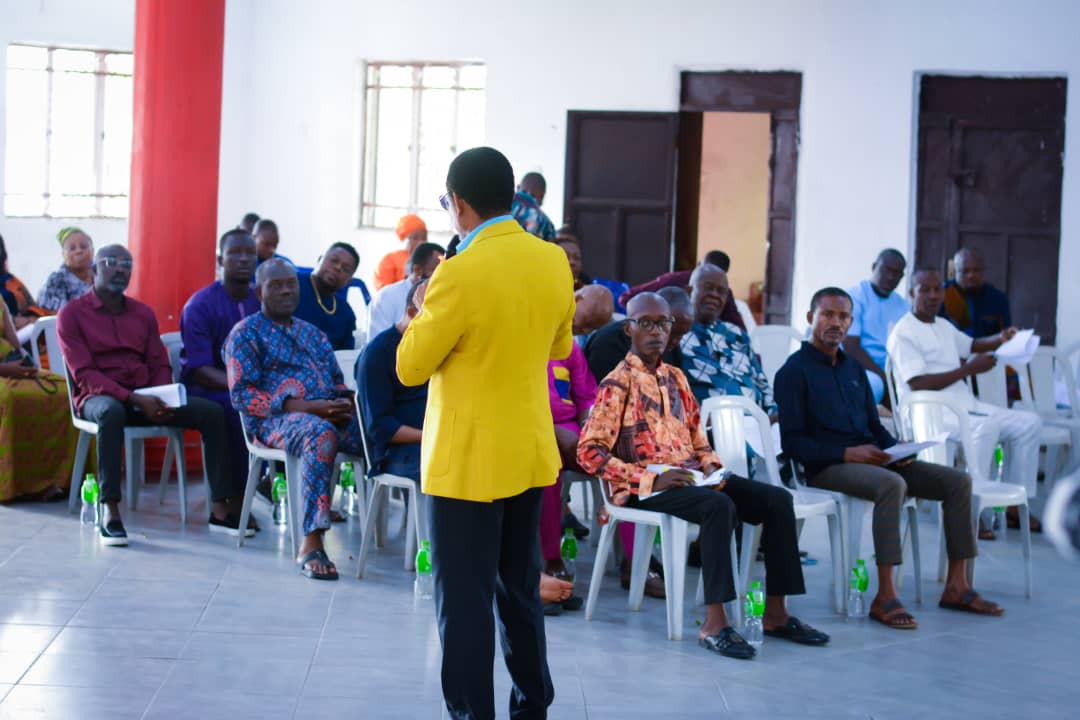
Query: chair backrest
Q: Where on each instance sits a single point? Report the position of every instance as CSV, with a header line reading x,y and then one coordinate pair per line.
x,y
346,360
1037,382
899,415
993,386
930,415
45,326
1064,367
363,433
67,375
725,417
173,343
774,343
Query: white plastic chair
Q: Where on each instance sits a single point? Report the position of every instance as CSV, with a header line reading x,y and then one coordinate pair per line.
x,y
774,343
1037,395
346,360
174,343
903,432
259,453
725,418
381,483
45,326
133,444
928,412
993,386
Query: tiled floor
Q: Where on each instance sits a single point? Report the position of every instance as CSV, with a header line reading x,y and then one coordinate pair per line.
x,y
183,625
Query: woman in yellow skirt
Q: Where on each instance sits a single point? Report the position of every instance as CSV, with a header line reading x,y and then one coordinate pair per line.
x,y
37,439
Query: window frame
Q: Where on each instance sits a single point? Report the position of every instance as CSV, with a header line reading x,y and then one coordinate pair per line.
x,y
368,136
100,73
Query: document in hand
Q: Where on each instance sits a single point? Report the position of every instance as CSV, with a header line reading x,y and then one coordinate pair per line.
x,y
910,450
716,478
174,395
1019,350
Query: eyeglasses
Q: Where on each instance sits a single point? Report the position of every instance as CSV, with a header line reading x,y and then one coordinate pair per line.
x,y
112,261
444,200
647,325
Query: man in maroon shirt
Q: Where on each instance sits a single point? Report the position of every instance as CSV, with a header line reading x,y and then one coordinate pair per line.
x,y
112,348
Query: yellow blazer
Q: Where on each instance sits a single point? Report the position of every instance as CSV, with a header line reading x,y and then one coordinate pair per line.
x,y
492,318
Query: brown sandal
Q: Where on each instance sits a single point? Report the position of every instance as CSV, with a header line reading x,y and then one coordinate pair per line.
x,y
893,615
974,603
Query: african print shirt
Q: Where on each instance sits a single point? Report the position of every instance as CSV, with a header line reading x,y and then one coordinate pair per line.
x,y
527,212
642,417
60,288
718,360
268,363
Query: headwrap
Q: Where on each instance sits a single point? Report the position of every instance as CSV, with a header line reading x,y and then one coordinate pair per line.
x,y
66,233
409,224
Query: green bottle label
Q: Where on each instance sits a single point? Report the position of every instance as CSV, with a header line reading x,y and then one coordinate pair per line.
x,y
90,490
423,558
280,489
569,546
757,598
862,575
347,478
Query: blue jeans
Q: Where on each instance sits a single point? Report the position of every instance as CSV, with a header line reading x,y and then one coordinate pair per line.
x,y
403,460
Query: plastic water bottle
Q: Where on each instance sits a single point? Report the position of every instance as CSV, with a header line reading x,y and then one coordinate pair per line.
x,y
424,585
280,495
999,460
753,631
348,489
90,494
860,581
568,550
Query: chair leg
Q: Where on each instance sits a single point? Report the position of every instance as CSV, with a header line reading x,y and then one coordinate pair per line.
x,y
639,565
181,477
166,471
367,535
254,466
1051,473
411,529
836,552
81,451
751,540
1025,544
905,528
674,540
916,552
607,535
598,502
294,485
942,555
735,609
129,467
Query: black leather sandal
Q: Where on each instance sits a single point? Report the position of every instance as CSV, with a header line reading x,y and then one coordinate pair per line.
x,y
798,632
322,557
728,643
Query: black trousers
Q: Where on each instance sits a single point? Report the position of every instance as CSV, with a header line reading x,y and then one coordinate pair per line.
x,y
200,414
485,552
752,502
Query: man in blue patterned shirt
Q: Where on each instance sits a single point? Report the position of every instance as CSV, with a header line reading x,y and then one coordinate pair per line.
x,y
717,356
526,208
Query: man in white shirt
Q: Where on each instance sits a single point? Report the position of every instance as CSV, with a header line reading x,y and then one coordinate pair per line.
x,y
389,304
926,352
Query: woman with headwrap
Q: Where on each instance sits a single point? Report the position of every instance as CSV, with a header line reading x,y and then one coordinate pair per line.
x,y
72,280
17,298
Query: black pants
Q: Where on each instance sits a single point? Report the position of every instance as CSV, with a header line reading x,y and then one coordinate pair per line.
x,y
483,552
753,502
199,414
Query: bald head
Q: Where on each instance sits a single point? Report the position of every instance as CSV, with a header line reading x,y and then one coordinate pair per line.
x,y
278,289
594,308
111,270
534,184
648,324
970,269
647,303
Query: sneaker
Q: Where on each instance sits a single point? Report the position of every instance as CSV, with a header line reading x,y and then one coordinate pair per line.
x,y
230,526
113,534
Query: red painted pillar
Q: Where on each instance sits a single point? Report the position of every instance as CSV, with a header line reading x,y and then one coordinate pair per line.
x,y
175,142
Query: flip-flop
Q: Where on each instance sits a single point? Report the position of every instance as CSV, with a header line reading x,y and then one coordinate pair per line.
x,y
890,621
967,604
321,556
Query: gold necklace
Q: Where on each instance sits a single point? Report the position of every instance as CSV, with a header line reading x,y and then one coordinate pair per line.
x,y
318,298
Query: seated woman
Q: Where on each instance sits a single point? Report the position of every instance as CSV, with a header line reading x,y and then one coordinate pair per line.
x,y
22,309
72,280
37,440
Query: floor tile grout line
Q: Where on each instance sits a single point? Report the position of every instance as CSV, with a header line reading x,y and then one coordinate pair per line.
x,y
315,653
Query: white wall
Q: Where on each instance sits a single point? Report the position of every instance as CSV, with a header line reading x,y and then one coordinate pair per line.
x,y
295,85
105,24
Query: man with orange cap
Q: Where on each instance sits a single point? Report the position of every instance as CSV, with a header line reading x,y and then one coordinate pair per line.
x,y
412,231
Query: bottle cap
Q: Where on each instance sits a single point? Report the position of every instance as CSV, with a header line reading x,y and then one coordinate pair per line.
x,y
860,562
755,585
425,544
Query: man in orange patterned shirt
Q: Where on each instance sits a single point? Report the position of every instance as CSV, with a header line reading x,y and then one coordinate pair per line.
x,y
645,413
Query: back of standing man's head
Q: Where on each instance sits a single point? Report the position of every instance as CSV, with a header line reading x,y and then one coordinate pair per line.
x,y
719,258
483,178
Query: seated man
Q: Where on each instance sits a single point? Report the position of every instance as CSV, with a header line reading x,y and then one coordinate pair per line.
x,y
646,414
593,309
266,241
390,304
970,303
572,248
735,311
716,355
112,348
829,423
412,231
205,323
322,300
878,307
289,390
526,208
926,352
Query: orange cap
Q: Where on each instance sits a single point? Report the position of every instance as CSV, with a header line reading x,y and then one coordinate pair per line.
x,y
409,224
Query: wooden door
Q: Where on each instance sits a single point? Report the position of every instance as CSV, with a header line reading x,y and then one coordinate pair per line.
x,y
620,191
990,161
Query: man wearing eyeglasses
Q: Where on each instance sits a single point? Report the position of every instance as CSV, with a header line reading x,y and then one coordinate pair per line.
x,y
112,348
484,338
645,414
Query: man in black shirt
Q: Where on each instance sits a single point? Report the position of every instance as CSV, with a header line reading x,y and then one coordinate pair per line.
x,y
829,423
607,347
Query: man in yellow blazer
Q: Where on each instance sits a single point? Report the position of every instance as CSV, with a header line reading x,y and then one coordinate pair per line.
x,y
493,316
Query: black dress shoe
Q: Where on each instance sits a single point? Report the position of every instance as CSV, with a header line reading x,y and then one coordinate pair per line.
x,y
113,534
798,632
573,603
728,643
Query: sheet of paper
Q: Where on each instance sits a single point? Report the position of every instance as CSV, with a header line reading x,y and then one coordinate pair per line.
x,y
700,480
173,395
1020,349
906,450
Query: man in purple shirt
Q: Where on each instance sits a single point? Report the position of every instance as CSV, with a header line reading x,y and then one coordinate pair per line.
x,y
205,324
112,348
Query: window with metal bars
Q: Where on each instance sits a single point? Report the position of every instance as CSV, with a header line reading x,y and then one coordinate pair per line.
x,y
417,117
68,132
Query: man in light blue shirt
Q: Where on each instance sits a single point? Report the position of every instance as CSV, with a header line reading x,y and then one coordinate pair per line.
x,y
877,307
